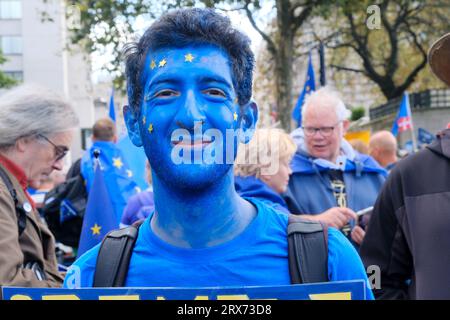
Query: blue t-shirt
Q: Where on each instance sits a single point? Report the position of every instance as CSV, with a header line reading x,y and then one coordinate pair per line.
x,y
257,257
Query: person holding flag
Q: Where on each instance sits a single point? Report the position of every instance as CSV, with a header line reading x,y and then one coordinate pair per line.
x,y
310,86
118,176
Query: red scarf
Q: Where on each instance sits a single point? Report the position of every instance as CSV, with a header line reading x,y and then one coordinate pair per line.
x,y
19,174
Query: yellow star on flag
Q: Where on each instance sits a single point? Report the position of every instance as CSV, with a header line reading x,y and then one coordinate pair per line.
x,y
96,229
188,58
117,162
129,173
235,116
153,65
162,63
150,128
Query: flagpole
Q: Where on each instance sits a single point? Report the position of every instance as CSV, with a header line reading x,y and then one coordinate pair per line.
x,y
414,140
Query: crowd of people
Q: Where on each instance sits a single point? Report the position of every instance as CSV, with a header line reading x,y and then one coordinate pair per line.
x,y
219,223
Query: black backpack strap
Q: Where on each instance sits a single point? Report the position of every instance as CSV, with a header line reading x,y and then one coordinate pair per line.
x,y
20,212
114,257
308,251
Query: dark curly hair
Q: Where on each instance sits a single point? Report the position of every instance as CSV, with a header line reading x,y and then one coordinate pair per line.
x,y
184,27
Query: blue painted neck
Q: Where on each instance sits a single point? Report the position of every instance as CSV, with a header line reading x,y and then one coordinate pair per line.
x,y
200,218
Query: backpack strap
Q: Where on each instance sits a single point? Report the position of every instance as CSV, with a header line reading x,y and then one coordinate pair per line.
x,y
20,212
308,250
114,257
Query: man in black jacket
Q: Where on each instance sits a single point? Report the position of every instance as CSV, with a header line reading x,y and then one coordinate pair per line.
x,y
408,236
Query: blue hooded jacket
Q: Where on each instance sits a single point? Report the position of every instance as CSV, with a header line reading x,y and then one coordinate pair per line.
x,y
255,188
310,191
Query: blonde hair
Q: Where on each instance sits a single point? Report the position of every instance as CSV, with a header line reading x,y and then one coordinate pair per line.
x,y
266,146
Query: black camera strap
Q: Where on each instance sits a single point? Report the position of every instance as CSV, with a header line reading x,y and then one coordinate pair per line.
x,y
20,212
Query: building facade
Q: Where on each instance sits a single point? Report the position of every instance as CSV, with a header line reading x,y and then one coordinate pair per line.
x,y
34,40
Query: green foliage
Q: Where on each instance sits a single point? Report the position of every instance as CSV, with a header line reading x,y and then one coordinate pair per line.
x,y
357,113
5,81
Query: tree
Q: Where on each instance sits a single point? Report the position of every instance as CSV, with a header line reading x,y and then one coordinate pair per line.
x,y
394,52
5,81
290,16
110,23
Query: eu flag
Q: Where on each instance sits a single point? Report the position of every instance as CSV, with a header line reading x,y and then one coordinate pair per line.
x,y
135,158
425,136
403,121
310,86
112,110
118,176
99,217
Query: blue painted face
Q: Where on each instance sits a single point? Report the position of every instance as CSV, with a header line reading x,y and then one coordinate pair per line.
x,y
189,116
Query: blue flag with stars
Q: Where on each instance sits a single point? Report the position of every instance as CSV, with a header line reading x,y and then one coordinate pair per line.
x,y
310,86
425,137
99,217
119,178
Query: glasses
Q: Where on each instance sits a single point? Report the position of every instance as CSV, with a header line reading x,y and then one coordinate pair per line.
x,y
60,151
324,131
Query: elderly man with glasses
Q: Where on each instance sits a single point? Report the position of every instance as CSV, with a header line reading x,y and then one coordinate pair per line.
x,y
330,180
36,130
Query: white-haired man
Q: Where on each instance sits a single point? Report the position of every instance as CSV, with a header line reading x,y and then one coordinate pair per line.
x,y
330,179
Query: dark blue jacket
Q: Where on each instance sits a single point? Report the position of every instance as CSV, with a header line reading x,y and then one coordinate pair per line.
x,y
255,188
310,191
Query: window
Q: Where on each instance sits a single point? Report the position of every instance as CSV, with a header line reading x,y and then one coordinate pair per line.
x,y
16,75
11,45
10,9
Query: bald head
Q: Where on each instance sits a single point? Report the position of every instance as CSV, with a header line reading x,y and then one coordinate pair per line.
x,y
383,147
104,130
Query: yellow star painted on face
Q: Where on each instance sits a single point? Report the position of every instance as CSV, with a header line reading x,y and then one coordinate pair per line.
x,y
235,116
143,120
188,58
129,173
96,229
153,65
117,162
162,63
150,128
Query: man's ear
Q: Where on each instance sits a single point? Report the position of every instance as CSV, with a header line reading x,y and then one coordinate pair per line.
x,y
132,123
345,125
247,125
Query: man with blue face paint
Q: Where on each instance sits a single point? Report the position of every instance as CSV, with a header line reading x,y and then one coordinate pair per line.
x,y
189,81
